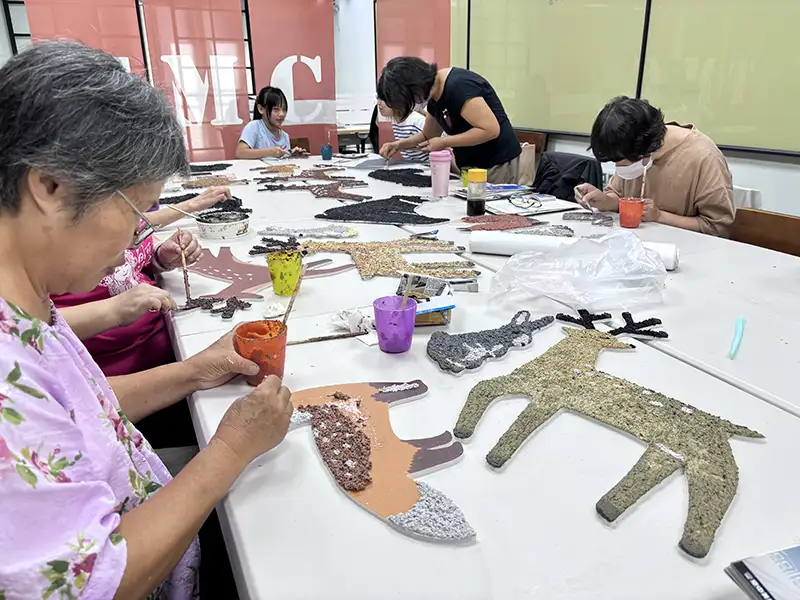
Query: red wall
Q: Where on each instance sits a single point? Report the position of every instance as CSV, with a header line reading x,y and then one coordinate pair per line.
x,y
281,29
110,25
200,29
411,28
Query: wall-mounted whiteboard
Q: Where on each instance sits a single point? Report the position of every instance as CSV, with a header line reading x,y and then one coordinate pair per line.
x,y
731,67
555,63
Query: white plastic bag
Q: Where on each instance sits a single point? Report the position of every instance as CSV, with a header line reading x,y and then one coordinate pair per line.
x,y
612,271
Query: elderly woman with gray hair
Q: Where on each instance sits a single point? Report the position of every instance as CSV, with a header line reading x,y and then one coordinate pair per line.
x,y
88,509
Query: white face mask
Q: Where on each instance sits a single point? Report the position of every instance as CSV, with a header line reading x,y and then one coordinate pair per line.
x,y
635,170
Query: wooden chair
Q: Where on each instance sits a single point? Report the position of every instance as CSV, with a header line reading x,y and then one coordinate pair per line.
x,y
300,143
536,138
769,230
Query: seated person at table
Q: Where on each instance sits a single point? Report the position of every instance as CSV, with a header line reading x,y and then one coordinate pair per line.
x,y
121,321
263,137
687,185
412,125
461,104
89,510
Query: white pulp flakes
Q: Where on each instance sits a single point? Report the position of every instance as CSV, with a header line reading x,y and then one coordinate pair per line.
x,y
671,453
656,403
398,387
434,516
687,410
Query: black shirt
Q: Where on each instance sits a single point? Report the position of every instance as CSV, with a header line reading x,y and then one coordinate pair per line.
x,y
459,87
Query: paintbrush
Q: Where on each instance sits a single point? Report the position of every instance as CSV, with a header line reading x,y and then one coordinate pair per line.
x,y
183,268
183,212
407,291
294,295
325,338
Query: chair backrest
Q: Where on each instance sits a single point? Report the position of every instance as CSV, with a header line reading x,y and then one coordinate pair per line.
x,y
300,143
536,138
773,231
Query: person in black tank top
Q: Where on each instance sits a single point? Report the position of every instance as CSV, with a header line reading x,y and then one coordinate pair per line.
x,y
461,104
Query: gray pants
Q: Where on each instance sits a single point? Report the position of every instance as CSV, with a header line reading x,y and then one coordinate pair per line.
x,y
505,173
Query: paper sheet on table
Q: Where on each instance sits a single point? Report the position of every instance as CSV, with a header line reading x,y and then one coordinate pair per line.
x,y
379,163
505,207
504,243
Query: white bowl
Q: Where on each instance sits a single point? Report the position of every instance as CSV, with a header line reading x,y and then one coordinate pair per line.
x,y
224,229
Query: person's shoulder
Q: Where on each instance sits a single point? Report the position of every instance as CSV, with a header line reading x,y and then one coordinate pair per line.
x,y
251,127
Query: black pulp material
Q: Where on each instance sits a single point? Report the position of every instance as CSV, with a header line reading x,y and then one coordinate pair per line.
x,y
585,318
631,327
476,208
232,304
230,205
397,210
274,245
194,169
178,199
406,177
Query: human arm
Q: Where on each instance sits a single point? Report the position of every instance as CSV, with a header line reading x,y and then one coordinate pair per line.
x,y
65,488
158,531
141,394
206,199
485,127
246,148
431,130
713,202
603,200
245,151
93,318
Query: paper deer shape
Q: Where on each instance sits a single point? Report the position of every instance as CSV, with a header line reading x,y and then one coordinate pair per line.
x,y
245,279
385,258
455,353
351,428
677,436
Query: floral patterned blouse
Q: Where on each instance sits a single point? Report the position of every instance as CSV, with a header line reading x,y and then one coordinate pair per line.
x,y
71,464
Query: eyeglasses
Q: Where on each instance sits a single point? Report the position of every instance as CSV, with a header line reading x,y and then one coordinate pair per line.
x,y
143,231
525,201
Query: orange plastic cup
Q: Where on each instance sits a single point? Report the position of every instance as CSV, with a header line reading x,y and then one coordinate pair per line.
x,y
630,212
263,342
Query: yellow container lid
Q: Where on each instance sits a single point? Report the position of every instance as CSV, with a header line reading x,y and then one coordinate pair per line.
x,y
477,175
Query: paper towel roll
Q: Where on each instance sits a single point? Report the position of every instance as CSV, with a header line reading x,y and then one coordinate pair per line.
x,y
504,243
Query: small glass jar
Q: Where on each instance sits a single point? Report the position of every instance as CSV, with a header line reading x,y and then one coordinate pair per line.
x,y
476,192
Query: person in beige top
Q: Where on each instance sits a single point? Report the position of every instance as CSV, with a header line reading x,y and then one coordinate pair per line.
x,y
679,171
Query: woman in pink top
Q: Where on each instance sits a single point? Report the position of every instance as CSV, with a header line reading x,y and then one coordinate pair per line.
x,y
89,511
121,321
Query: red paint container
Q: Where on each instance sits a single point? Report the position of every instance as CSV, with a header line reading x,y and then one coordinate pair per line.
x,y
630,212
264,343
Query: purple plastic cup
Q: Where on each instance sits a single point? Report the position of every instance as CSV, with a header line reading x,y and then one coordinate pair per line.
x,y
395,327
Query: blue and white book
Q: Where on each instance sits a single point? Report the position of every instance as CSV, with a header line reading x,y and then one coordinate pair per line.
x,y
771,576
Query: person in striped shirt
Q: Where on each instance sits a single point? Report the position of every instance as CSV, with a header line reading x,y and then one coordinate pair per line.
x,y
405,129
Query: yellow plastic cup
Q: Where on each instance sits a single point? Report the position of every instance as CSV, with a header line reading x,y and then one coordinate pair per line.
x,y
284,269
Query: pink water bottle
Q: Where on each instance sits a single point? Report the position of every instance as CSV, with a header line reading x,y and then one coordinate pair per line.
x,y
440,173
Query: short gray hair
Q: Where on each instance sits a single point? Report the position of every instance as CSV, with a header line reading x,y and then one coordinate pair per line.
x,y
76,114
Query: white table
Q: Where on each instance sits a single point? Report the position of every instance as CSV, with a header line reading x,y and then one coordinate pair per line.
x,y
291,534
297,536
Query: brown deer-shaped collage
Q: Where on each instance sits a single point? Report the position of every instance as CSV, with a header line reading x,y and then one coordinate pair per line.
x,y
678,436
352,431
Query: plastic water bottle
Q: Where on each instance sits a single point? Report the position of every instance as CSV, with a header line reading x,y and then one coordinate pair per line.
x,y
440,173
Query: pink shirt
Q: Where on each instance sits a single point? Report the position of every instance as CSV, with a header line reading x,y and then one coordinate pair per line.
x,y
137,347
71,464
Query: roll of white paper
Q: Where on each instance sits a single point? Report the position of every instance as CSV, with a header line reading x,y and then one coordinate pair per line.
x,y
504,243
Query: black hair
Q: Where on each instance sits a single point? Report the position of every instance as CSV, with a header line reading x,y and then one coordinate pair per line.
x,y
404,82
627,129
269,97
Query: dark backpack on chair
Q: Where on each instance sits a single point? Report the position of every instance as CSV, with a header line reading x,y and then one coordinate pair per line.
x,y
560,172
